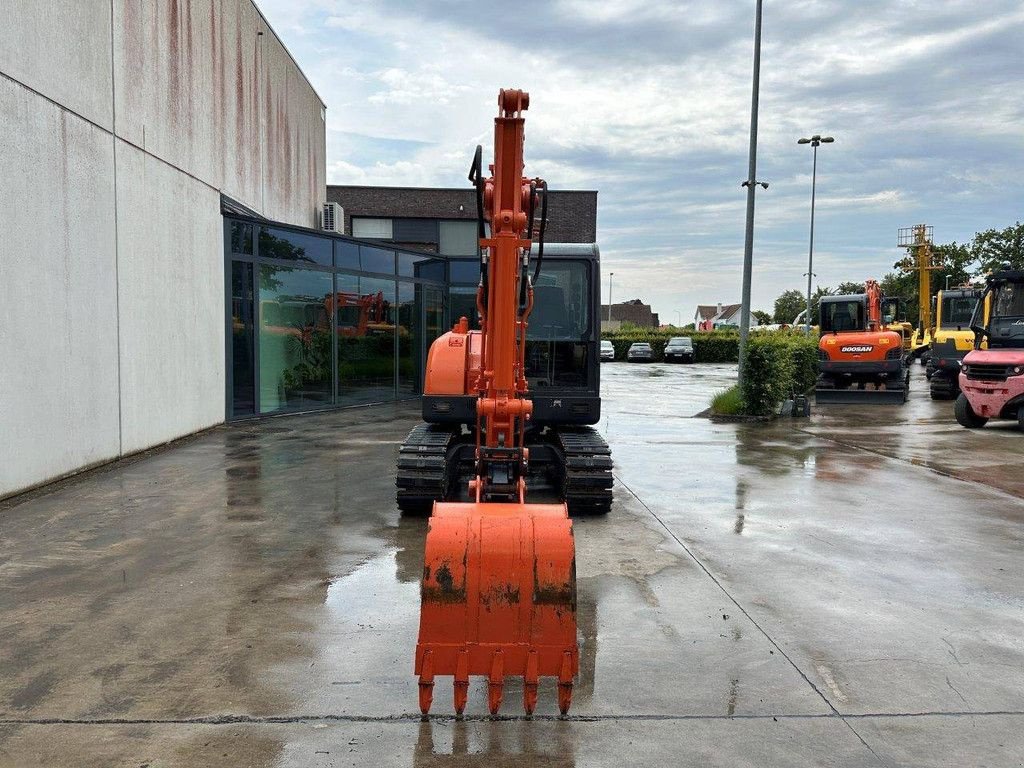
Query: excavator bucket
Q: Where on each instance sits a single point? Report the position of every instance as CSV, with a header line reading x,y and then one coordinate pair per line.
x,y
498,600
853,396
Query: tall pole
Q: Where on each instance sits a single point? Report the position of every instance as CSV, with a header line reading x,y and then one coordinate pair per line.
x,y
814,141
610,276
750,183
810,247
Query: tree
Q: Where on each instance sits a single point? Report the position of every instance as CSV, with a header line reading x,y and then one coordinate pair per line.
x,y
995,247
788,305
955,261
762,317
849,288
904,286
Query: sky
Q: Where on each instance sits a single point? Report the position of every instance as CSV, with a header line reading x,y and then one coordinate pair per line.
x,y
649,103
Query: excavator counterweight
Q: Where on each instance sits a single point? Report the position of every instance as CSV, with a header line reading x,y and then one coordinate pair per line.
x,y
498,596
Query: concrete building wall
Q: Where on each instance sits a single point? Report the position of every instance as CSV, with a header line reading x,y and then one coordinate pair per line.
x,y
58,302
171,338
121,124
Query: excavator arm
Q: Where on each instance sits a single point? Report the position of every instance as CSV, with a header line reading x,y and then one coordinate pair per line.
x,y
498,595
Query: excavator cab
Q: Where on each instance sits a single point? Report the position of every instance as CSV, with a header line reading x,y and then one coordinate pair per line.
x,y
841,314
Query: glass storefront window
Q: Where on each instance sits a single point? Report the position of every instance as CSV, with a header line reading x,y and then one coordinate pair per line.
x,y
303,334
416,264
365,321
376,260
411,317
346,255
241,238
295,339
428,270
461,271
462,301
295,246
433,322
243,379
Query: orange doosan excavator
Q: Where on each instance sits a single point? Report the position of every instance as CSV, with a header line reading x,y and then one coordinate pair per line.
x,y
859,361
498,596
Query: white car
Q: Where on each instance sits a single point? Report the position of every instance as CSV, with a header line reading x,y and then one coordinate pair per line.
x,y
607,351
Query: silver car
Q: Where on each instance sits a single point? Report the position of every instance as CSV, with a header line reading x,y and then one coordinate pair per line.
x,y
640,352
607,351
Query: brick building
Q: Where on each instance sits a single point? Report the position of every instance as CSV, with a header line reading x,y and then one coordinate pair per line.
x,y
634,311
444,220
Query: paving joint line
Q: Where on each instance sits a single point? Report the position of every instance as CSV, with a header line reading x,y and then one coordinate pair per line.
x,y
417,718
769,638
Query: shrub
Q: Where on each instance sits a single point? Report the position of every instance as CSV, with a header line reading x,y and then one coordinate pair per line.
x,y
776,367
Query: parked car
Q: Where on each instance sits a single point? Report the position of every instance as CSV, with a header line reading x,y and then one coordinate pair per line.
x,y
607,350
640,352
679,350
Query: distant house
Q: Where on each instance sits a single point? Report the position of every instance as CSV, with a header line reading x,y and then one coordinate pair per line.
x,y
635,312
711,316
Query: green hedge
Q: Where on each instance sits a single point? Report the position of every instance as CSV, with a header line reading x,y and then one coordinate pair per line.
x,y
777,366
708,346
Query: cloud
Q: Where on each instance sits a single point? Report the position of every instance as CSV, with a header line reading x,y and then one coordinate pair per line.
x,y
649,104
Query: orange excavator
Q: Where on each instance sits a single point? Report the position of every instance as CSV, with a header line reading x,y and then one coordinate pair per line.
x,y
859,360
498,595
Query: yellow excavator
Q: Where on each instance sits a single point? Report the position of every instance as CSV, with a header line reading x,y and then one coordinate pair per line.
x,y
952,338
894,319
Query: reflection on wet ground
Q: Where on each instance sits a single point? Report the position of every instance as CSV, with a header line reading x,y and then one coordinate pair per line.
x,y
761,594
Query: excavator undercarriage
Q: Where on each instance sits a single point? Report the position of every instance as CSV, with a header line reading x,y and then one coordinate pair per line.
x,y
572,463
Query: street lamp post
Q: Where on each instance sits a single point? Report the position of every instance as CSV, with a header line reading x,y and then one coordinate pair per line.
x,y
814,141
610,276
751,184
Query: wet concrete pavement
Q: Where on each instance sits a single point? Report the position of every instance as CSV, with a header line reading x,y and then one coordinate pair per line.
x,y
844,590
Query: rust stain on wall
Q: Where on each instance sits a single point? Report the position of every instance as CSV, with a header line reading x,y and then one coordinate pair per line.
x,y
173,46
187,60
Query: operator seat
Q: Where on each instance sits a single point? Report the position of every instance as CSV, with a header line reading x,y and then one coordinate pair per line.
x,y
550,317
844,321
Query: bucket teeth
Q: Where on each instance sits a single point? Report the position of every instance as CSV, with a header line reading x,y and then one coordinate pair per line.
x,y
461,682
496,683
427,683
565,684
530,684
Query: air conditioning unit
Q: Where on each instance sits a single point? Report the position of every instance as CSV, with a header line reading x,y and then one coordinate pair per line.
x,y
333,219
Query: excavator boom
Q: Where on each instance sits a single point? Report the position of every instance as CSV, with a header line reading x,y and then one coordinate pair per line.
x,y
498,596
